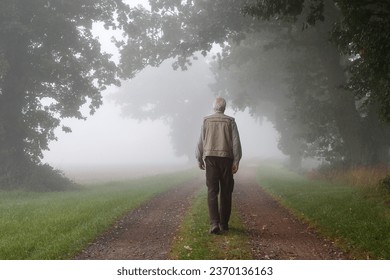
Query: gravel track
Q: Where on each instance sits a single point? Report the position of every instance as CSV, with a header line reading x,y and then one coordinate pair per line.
x,y
147,232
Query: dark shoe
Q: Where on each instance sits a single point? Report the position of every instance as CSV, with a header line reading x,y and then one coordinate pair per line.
x,y
214,229
224,227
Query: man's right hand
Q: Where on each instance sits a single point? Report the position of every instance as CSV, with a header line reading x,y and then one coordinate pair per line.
x,y
201,165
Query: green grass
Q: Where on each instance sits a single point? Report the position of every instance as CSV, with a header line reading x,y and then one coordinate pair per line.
x,y
57,225
358,223
195,243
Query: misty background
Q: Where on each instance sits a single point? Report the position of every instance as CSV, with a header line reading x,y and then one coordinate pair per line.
x,y
125,138
124,135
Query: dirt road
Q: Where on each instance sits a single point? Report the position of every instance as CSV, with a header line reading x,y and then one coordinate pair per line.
x,y
275,233
148,232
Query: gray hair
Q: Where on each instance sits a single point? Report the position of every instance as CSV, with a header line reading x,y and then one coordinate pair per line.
x,y
219,105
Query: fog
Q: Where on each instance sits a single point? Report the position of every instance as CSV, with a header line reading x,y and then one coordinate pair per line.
x,y
121,141
109,139
291,89
118,142
109,146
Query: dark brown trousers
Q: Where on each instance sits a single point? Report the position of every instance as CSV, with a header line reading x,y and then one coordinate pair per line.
x,y
219,180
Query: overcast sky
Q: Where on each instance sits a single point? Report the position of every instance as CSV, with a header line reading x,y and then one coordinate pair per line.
x,y
108,139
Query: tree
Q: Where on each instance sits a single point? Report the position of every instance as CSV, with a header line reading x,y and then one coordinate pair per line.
x,y
314,115
360,32
363,35
257,74
178,29
339,132
50,66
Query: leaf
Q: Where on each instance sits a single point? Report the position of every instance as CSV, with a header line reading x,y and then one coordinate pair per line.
x,y
66,129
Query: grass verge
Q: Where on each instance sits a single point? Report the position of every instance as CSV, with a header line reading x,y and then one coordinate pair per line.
x,y
359,224
195,243
57,225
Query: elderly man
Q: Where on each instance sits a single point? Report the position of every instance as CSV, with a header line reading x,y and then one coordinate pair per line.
x,y
219,152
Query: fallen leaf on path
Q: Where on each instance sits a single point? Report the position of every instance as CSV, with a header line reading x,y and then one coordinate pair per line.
x,y
187,248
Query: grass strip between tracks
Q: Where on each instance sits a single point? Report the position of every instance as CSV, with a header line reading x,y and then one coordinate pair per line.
x,y
359,224
193,241
57,225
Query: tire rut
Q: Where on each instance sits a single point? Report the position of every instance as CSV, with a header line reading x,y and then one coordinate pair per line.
x,y
146,233
274,232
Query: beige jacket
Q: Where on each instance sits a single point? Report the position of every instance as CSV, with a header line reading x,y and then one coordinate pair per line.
x,y
219,137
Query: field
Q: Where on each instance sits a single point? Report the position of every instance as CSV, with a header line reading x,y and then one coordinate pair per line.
x,y
356,216
59,225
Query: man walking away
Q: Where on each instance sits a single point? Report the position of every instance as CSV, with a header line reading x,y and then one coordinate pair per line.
x,y
219,152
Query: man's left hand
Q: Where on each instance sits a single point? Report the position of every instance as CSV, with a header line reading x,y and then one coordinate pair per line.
x,y
234,168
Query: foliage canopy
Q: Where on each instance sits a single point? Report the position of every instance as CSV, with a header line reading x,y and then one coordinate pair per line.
x,y
50,66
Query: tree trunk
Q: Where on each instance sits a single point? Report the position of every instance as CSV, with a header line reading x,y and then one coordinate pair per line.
x,y
14,160
376,138
349,122
295,162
